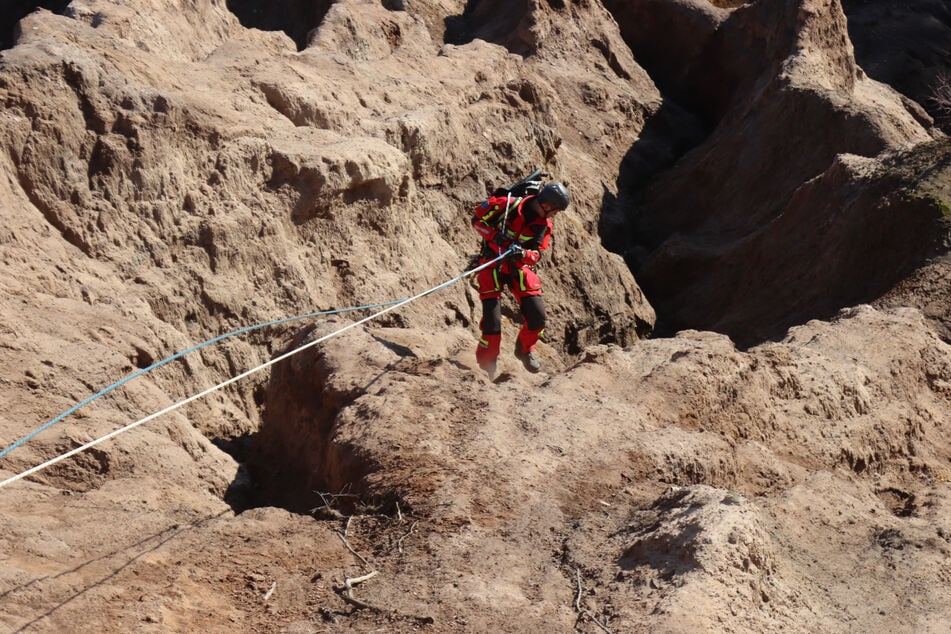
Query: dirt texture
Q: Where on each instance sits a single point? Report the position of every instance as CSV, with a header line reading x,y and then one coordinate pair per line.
x,y
742,419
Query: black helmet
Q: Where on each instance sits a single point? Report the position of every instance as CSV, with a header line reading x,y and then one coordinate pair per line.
x,y
556,195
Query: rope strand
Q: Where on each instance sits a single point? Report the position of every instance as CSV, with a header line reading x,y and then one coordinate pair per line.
x,y
178,355
267,364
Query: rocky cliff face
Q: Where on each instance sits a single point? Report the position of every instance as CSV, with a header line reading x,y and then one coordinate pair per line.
x,y
785,97
904,48
178,170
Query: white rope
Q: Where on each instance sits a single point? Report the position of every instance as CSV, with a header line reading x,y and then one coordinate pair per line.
x,y
267,364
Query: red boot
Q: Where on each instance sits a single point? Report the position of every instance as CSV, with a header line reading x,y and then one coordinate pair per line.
x,y
487,352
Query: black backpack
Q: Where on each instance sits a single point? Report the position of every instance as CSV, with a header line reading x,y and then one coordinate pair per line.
x,y
528,186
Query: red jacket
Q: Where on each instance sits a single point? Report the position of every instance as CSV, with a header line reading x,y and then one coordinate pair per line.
x,y
531,232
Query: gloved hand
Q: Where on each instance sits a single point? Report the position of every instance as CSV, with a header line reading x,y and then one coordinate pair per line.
x,y
515,252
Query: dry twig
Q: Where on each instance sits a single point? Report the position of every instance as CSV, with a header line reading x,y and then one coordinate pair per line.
x,y
399,542
268,594
346,593
346,590
349,583
941,94
578,596
350,548
329,499
586,611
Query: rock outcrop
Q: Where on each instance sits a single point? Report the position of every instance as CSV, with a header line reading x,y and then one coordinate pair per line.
x,y
787,98
906,49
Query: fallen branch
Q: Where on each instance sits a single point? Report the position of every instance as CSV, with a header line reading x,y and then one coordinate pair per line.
x,y
346,593
350,548
346,590
327,508
349,583
399,542
586,611
578,596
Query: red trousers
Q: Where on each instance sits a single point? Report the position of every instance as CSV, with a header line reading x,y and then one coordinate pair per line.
x,y
526,287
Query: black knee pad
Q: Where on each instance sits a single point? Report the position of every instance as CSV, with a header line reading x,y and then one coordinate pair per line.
x,y
533,309
491,317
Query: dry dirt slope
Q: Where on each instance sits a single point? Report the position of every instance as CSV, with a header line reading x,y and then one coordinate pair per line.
x,y
169,174
691,486
685,486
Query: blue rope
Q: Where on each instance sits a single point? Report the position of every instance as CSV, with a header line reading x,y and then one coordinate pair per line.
x,y
390,306
105,391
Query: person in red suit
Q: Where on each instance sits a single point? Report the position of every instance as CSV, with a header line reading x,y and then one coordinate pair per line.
x,y
520,227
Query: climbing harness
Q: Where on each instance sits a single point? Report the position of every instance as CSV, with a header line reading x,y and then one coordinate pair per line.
x,y
389,306
526,186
